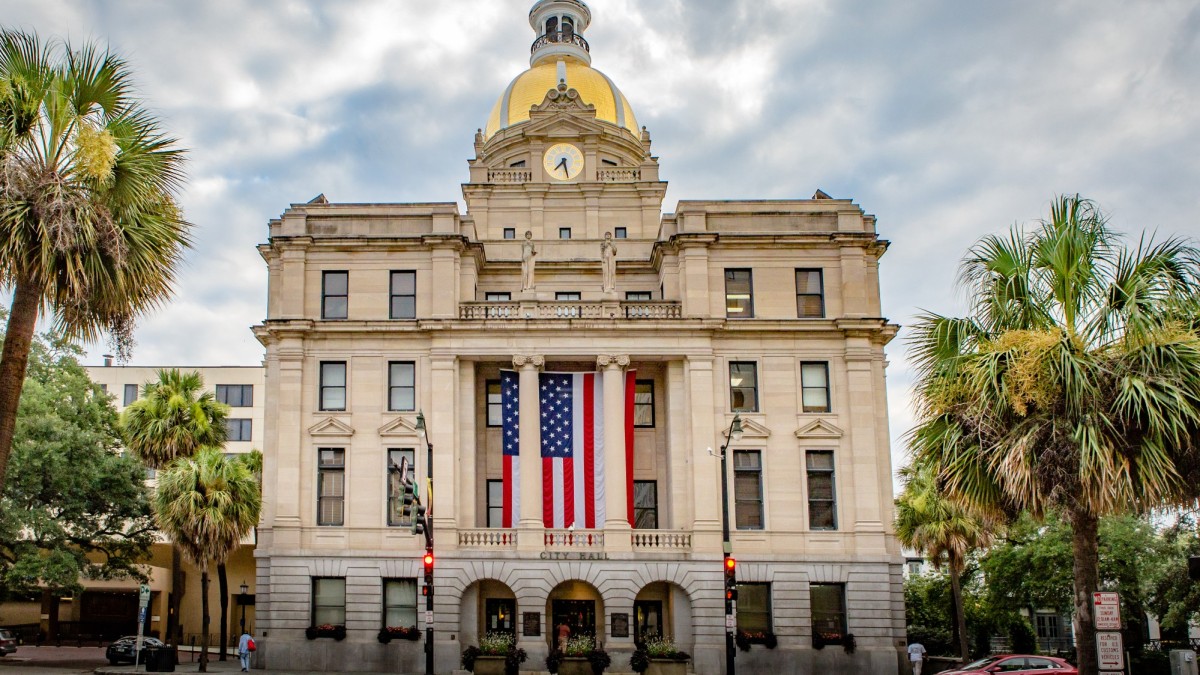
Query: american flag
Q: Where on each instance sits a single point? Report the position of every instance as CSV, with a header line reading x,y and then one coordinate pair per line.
x,y
571,409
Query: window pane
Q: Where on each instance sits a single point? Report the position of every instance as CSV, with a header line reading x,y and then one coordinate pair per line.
x,y
810,306
754,608
404,307
332,457
743,386
495,411
131,393
808,281
739,301
334,308
329,602
333,374
821,516
820,486
333,398
820,460
645,504
746,460
495,503
643,403
747,490
336,283
404,283
814,375
828,602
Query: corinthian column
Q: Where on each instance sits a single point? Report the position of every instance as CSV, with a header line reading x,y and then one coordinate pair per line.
x,y
616,509
530,437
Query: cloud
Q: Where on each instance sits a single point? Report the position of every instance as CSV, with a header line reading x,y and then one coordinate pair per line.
x,y
946,119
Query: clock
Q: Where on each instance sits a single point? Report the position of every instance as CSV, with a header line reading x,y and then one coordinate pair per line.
x,y
563,161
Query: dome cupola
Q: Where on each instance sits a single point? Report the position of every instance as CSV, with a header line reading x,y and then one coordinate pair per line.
x,y
559,25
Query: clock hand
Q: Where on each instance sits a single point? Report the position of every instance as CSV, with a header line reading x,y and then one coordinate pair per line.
x,y
562,163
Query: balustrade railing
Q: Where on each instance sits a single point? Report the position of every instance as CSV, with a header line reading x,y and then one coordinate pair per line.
x,y
560,37
619,175
574,539
489,310
510,176
651,310
490,538
661,540
475,311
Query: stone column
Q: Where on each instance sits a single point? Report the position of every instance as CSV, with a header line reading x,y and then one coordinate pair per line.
x,y
706,468
287,452
530,436
441,427
616,506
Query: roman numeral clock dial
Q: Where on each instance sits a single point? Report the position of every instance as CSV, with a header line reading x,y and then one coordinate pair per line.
x,y
563,161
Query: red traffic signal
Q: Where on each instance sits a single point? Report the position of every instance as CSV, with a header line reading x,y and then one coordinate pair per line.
x,y
730,567
428,561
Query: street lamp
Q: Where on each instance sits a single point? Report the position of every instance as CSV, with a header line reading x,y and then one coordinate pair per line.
x,y
428,559
242,598
734,435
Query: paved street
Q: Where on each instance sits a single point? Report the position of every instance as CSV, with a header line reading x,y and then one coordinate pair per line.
x,y
76,660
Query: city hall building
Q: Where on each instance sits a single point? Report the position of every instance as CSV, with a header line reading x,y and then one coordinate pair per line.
x,y
565,294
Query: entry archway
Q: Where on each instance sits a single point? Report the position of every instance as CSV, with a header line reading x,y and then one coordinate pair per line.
x,y
662,609
577,605
486,606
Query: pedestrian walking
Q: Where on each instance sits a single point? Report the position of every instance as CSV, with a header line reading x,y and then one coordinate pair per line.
x,y
245,646
564,634
916,655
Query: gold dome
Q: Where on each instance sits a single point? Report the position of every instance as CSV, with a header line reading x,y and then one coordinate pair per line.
x,y
530,87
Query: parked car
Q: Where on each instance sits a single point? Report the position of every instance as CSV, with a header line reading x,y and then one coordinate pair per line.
x,y
8,642
121,649
1016,664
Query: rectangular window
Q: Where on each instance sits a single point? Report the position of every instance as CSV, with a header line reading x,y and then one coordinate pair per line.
x,y
236,395
814,385
403,304
329,601
495,409
739,294
567,295
754,609
402,385
828,602
747,489
395,489
130,393
399,603
333,385
331,486
510,233
810,294
743,386
497,297
643,403
645,505
495,503
620,233
822,507
638,296
564,233
238,429
335,294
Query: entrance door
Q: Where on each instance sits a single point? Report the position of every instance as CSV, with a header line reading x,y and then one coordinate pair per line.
x,y
648,620
499,616
579,615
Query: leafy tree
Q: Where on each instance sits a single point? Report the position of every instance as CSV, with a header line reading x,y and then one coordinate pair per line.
x,y
1074,384
1174,597
73,507
945,531
89,227
207,504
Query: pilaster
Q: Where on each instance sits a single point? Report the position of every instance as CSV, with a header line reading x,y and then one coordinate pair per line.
x,y
530,528
616,469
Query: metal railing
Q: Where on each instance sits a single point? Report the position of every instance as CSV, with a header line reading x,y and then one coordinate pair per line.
x,y
560,37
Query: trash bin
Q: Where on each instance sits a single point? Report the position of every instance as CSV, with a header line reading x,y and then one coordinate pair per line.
x,y
159,659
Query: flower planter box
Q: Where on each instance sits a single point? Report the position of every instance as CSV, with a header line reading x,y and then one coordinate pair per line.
x,y
335,632
489,665
575,665
666,667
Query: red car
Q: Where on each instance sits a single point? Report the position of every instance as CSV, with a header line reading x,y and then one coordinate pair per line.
x,y
1017,664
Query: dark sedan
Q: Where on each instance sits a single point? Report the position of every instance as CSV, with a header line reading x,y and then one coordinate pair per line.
x,y
121,649
8,642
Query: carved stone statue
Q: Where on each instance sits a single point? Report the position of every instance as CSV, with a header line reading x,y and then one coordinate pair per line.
x,y
528,260
608,261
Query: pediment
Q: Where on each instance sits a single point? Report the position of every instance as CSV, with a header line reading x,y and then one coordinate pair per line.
x,y
331,426
819,429
401,426
750,429
561,124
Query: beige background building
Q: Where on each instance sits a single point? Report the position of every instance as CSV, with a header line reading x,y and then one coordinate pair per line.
x,y
764,310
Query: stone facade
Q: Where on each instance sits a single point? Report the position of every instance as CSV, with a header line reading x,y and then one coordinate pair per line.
x,y
766,312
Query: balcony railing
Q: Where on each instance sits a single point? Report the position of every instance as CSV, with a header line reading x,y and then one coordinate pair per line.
x,y
574,309
647,541
575,540
661,540
622,174
492,538
560,37
510,176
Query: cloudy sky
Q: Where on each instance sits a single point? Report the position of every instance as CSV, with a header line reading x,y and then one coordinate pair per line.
x,y
947,119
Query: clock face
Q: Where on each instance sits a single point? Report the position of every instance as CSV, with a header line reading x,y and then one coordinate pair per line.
x,y
563,161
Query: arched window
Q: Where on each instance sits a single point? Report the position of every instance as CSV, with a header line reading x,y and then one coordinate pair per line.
x,y
552,25
568,26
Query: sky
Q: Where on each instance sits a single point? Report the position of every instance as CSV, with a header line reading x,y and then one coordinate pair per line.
x,y
947,119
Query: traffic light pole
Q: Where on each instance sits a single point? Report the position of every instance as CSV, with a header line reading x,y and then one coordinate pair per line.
x,y
428,560
735,431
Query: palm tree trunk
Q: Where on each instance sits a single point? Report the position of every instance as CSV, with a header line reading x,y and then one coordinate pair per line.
x,y
204,619
178,581
960,615
223,586
1084,532
22,321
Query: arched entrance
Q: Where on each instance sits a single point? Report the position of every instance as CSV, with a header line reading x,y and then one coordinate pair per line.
x,y
487,606
577,605
662,610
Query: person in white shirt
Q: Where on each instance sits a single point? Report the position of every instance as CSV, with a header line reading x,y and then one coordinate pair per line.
x,y
244,652
916,654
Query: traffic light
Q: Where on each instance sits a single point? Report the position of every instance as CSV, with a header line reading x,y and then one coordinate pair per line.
x,y
408,495
418,519
428,560
730,579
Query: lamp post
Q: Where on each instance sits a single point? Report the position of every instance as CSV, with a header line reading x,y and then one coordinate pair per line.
x,y
734,435
242,601
428,559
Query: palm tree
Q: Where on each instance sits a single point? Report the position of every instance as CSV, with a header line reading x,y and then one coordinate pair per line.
x,y
207,505
174,418
1073,384
89,228
944,531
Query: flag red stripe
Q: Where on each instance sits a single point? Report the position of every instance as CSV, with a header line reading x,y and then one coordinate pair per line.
x,y
507,518
589,448
568,471
547,492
